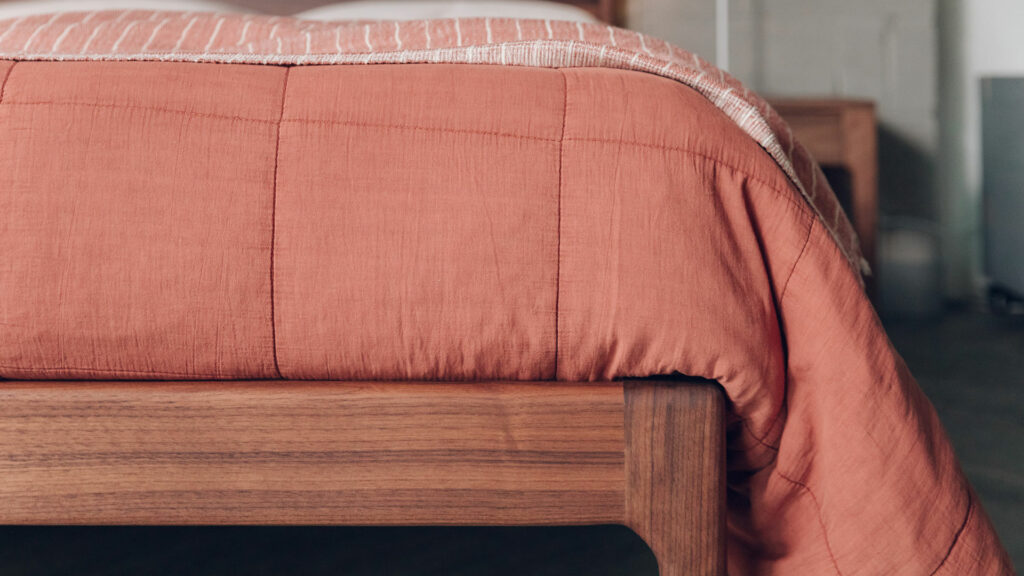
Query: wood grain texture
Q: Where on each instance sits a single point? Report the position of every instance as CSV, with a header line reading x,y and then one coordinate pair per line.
x,y
646,454
310,453
675,474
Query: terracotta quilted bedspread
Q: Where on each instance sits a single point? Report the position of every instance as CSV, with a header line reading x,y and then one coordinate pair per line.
x,y
516,200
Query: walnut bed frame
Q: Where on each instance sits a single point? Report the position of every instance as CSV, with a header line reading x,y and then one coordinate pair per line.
x,y
648,454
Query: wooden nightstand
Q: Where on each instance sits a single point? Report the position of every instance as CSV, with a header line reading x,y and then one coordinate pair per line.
x,y
842,134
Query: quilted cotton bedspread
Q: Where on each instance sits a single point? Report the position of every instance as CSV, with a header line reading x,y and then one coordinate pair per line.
x,y
188,196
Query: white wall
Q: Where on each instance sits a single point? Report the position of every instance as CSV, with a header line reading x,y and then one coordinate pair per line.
x,y
995,36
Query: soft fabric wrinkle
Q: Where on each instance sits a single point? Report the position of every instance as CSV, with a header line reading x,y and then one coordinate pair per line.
x,y
6,67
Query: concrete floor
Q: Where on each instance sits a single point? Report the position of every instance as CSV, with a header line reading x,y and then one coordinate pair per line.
x,y
971,365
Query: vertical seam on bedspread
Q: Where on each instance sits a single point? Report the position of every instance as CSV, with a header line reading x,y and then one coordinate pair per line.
x,y
273,224
3,83
796,262
558,226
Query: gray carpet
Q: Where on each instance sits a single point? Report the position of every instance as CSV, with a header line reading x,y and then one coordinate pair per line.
x,y
971,365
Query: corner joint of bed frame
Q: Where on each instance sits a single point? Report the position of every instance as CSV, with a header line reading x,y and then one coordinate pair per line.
x,y
675,472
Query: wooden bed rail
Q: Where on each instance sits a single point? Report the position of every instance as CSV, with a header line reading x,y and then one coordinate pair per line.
x,y
648,454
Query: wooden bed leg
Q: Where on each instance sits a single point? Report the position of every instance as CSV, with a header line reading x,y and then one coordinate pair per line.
x,y
675,473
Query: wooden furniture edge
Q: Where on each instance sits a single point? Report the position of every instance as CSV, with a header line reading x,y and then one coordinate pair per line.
x,y
843,132
675,472
648,454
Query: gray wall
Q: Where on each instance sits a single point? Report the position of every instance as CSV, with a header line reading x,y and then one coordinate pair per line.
x,y
980,38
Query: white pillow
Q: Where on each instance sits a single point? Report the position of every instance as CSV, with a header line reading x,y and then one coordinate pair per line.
x,y
19,9
426,9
